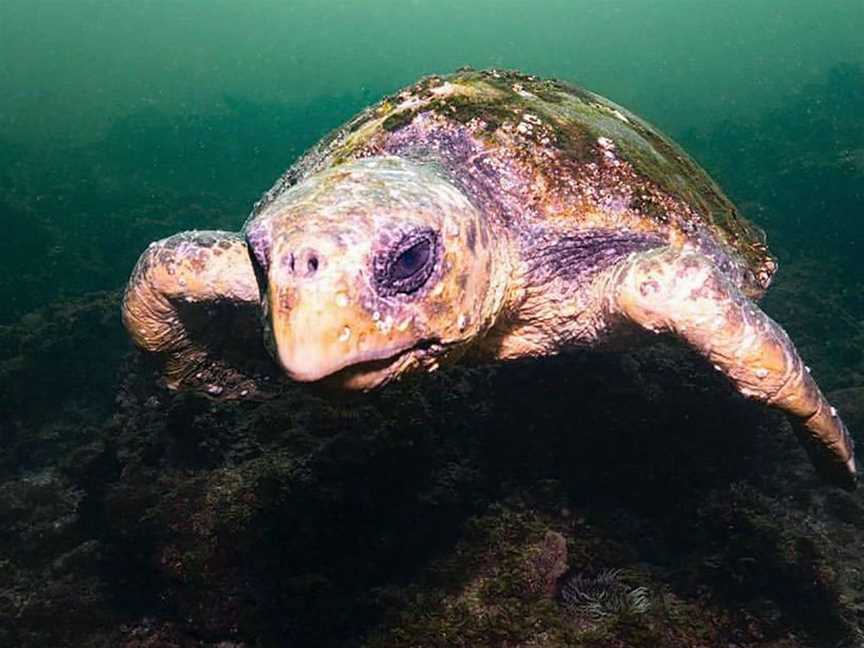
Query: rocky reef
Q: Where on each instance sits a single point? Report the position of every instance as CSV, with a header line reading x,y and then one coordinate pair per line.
x,y
130,516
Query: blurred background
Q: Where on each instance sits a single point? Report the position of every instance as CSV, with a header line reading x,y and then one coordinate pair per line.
x,y
124,121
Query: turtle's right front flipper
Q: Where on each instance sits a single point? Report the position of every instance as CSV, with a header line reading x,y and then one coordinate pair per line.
x,y
193,302
669,290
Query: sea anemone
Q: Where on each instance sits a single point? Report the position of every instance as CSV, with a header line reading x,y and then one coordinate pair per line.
x,y
604,594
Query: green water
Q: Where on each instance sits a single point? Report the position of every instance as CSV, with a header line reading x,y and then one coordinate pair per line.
x,y
404,519
120,121
73,69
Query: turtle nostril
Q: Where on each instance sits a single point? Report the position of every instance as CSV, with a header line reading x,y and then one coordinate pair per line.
x,y
309,262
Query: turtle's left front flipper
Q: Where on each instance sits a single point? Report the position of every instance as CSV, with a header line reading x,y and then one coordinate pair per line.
x,y
193,302
681,292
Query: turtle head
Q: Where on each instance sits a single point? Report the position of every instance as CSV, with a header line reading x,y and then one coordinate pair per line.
x,y
372,269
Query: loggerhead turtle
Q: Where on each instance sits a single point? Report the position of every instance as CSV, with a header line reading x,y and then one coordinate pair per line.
x,y
480,216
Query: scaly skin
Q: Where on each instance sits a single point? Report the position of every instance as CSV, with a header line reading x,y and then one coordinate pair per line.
x,y
682,293
484,216
179,288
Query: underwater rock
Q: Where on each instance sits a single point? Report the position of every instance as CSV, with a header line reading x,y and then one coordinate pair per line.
x,y
62,357
549,563
312,521
251,542
39,514
150,633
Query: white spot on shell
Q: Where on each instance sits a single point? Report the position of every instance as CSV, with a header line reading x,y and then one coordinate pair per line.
x,y
214,390
376,316
341,300
522,92
806,368
833,412
244,392
620,115
606,143
445,88
345,335
761,372
463,321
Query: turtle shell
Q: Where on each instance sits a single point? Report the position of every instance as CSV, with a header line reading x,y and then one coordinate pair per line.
x,y
543,153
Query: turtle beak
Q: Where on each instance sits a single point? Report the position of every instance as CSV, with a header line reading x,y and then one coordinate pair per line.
x,y
318,324
308,344
307,323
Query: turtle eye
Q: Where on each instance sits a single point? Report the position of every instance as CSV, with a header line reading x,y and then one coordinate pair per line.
x,y
411,261
408,265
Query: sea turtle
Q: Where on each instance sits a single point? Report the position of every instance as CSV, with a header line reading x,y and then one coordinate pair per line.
x,y
479,216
